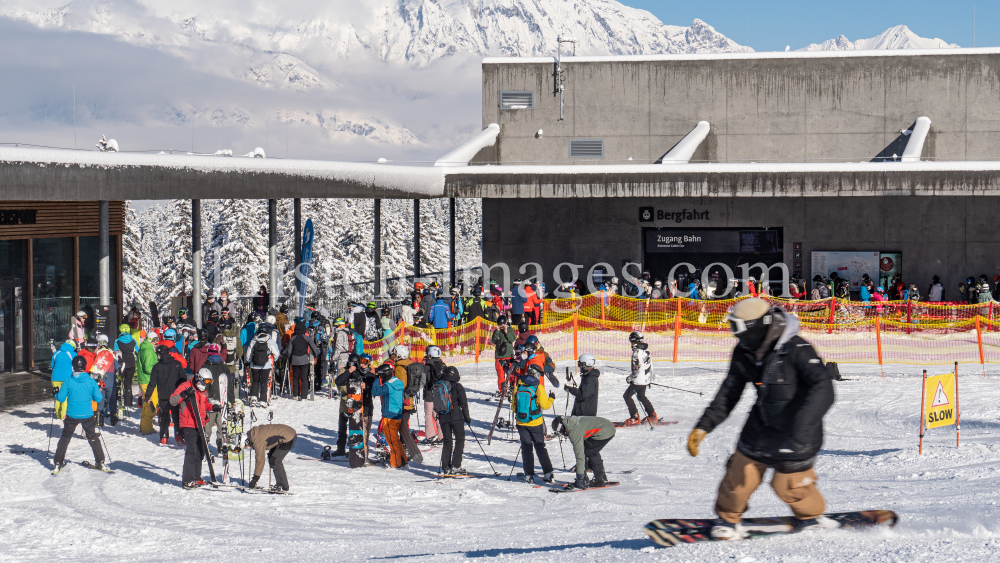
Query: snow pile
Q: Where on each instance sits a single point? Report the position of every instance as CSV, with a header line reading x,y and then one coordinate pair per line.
x,y
946,498
899,37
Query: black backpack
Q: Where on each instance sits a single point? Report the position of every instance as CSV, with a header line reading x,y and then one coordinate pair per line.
x,y
416,375
261,353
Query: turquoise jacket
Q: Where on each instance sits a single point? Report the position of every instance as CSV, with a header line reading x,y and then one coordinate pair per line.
x,y
392,397
62,362
80,390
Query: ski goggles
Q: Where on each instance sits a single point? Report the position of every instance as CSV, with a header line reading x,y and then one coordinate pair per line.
x,y
738,326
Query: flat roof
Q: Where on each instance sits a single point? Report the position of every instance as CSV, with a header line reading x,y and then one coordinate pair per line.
x,y
874,53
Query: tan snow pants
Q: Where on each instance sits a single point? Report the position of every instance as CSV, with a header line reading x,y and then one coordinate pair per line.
x,y
744,475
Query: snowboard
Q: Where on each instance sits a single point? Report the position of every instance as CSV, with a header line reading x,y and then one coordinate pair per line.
x,y
232,447
410,445
670,532
355,424
339,460
562,488
643,423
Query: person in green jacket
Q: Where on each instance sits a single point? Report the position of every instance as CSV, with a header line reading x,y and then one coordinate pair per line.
x,y
503,341
144,363
589,435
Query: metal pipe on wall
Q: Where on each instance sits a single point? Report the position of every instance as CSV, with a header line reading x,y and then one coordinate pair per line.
x,y
272,252
416,239
104,255
378,247
196,262
451,239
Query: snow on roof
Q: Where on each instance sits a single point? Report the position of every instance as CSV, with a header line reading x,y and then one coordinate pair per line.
x,y
735,168
748,56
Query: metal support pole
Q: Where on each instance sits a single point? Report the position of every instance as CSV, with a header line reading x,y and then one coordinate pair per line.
x,y
196,262
416,239
297,236
378,247
104,255
272,251
451,240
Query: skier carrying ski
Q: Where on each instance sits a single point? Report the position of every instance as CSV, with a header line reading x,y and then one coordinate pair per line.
x,y
271,442
300,351
104,369
127,350
79,392
784,430
350,372
589,435
390,389
642,373
189,395
585,403
503,341
452,421
341,344
528,403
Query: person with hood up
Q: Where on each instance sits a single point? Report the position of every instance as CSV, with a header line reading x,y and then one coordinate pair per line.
x,y
127,350
440,314
427,303
164,379
62,369
144,369
453,423
585,403
589,435
936,290
191,400
784,430
300,351
79,392
390,389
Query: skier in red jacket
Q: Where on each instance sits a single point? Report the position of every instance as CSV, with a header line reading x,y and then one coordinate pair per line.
x,y
193,392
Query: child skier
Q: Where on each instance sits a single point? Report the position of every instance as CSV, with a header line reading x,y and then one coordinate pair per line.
x,y
528,403
642,373
79,392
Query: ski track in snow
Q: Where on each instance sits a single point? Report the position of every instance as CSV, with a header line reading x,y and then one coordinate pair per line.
x,y
946,499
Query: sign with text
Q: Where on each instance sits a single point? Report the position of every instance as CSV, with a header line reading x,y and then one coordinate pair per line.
x,y
940,406
713,240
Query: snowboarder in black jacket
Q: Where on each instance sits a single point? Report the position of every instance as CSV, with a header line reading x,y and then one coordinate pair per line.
x,y
785,427
164,378
585,403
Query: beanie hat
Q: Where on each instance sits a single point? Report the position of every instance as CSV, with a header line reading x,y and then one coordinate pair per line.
x,y
751,309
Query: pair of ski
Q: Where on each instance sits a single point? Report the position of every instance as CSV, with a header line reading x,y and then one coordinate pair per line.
x,y
86,464
671,532
561,487
661,422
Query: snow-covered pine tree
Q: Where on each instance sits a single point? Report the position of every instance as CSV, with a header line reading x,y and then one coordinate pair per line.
x,y
240,244
397,244
469,232
136,277
357,243
434,228
176,268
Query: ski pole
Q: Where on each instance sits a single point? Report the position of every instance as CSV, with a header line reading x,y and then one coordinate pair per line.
x,y
495,472
562,452
647,415
676,389
51,422
513,465
106,450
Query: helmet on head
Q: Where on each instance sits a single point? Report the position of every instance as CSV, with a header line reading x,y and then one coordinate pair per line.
x,y
79,363
206,374
125,328
452,371
353,360
182,311
433,352
454,291
614,280
636,337
272,320
532,340
522,326
400,351
750,321
81,314
558,426
371,305
586,361
384,371
530,348
338,322
73,344
502,320
102,339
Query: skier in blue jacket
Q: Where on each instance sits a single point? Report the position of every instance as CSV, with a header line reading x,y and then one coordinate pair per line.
x,y
390,388
62,369
80,392
440,314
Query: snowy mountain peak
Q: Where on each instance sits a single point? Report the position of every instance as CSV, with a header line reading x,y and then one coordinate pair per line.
x,y
899,37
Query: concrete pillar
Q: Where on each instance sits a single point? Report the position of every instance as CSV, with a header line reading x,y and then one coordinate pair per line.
x,y
451,239
416,239
378,247
196,262
272,252
104,255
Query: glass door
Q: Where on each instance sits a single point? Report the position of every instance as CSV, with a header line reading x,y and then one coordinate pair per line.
x,y
11,325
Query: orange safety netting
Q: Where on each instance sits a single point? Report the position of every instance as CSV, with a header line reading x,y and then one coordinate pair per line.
x,y
686,330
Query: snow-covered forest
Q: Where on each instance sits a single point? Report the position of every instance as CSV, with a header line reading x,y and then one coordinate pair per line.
x,y
158,258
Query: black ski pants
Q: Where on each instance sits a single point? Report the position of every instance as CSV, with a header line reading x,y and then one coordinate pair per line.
x,y
533,442
258,382
89,428
451,458
275,456
342,432
128,373
592,452
193,455
168,412
637,391
300,381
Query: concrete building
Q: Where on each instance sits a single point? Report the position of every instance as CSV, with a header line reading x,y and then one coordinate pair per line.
x,y
858,152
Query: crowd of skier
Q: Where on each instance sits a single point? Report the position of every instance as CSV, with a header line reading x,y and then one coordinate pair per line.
x,y
198,379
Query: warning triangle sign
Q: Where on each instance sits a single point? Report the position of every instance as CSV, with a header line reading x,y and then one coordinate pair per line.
x,y
940,398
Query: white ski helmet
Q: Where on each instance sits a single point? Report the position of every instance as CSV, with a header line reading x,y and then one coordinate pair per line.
x,y
206,374
81,314
586,361
272,320
102,339
400,351
433,352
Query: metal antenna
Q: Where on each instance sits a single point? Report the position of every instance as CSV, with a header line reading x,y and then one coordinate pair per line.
x,y
560,87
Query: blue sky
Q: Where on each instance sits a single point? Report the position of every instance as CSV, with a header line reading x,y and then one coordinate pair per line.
x,y
776,23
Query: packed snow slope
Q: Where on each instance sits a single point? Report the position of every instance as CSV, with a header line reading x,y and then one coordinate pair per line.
x,y
946,498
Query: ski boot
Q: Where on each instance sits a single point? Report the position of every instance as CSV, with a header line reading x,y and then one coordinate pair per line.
x,y
458,471
579,483
634,421
599,481
528,478
447,471
163,441
549,478
496,396
651,419
195,484
59,467
179,441
726,531
277,489
813,524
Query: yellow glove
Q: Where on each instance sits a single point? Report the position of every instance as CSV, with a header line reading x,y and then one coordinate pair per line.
x,y
695,438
